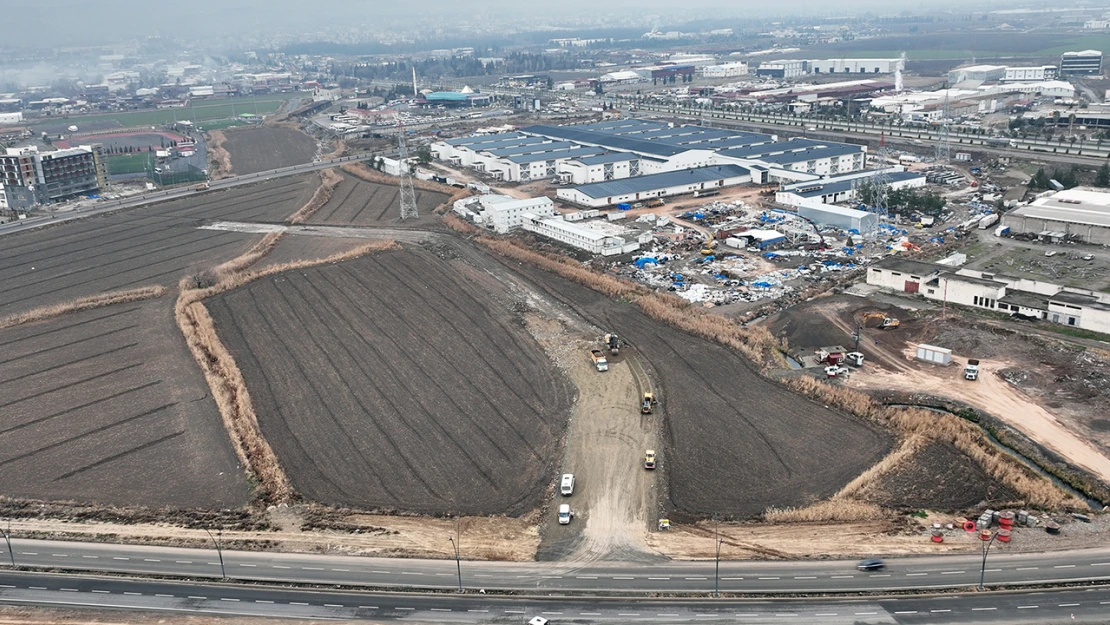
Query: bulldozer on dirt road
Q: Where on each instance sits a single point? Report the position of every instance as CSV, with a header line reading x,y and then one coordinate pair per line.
x,y
648,403
885,323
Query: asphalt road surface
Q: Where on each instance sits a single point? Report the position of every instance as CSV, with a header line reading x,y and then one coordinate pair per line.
x,y
50,590
938,572
169,194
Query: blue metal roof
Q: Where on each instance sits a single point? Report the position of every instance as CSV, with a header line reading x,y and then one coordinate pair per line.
x,y
532,148
642,184
755,151
508,143
611,157
617,142
485,138
813,153
571,152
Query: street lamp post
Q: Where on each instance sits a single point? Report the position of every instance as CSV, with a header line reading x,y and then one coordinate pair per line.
x,y
456,542
218,540
986,548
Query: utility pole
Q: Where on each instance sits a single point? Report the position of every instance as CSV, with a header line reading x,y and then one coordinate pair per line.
x,y
456,543
218,539
717,562
408,194
986,548
944,145
8,539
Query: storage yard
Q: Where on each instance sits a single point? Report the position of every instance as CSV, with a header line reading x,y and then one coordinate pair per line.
x,y
414,361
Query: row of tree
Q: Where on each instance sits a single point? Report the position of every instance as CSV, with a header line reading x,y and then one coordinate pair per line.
x,y
1068,178
904,201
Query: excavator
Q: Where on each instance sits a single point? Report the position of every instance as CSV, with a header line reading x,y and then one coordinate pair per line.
x,y
614,343
885,323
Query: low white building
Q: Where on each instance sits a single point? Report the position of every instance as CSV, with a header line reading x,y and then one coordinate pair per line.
x,y
854,66
1037,73
646,187
840,217
577,235
599,168
502,213
725,70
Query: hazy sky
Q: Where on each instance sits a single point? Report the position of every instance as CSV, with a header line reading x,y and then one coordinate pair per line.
x,y
52,23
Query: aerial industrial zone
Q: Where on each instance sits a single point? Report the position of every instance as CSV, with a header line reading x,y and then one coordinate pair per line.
x,y
760,321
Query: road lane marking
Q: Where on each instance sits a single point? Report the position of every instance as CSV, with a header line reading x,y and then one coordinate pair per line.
x,y
1064,566
866,613
804,577
586,577
991,570
299,603
1027,607
884,575
916,574
402,573
90,557
907,612
697,578
119,558
1100,564
614,577
313,568
1027,568
134,594
982,609
439,574
150,560
248,565
227,599
786,614
262,601
467,610
180,561
768,578
935,611
196,597
673,614
337,605
514,611
580,613
68,589
725,578
374,607
103,592
276,566
842,577
163,596
58,555
742,614
29,553
387,573
348,570
952,572
1068,605
623,613
663,579
825,614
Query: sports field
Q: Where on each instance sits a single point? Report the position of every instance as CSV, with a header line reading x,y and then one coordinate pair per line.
x,y
130,163
197,112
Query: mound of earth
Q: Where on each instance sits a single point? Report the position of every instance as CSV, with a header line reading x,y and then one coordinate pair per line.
x,y
938,477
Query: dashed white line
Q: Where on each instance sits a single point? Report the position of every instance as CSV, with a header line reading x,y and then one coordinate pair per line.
x,y
991,570
1064,566
439,574
768,578
728,578
663,578
119,558
103,592
164,596
667,614
842,577
585,613
1068,605
623,577
300,603
623,613
228,599
182,561
313,568
866,613
952,572
939,611
150,560
348,571
982,609
280,567
1027,568
339,605
553,613
134,594
262,601
68,589
29,553
825,614
94,557
587,577
374,607
907,612
796,577
387,573
742,614
477,610
786,614
58,555
884,575
251,565
916,574
1027,607
514,611
407,609
697,578
1100,564
196,597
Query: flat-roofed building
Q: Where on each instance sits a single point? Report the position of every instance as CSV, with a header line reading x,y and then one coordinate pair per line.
x,y
1082,213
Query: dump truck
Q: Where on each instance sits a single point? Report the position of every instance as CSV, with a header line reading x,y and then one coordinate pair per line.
x,y
971,371
654,202
647,404
599,360
614,343
201,187
649,459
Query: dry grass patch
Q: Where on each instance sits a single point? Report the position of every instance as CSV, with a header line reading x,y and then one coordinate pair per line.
x,y
329,180
218,155
85,303
223,375
361,170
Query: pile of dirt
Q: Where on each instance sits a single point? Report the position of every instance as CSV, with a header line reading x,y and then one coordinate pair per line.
x,y
834,319
939,477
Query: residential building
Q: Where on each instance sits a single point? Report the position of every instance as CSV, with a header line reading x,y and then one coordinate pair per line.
x,y
31,177
1086,62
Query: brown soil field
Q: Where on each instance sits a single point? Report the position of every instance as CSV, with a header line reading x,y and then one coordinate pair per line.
x,y
133,248
394,382
262,148
356,202
107,406
734,443
937,477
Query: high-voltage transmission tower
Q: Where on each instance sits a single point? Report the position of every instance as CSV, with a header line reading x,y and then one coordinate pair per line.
x,y
408,194
944,141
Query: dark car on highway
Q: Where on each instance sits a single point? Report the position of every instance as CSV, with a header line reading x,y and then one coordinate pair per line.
x,y
873,564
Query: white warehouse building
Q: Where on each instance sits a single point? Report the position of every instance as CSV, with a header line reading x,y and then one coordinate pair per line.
x,y
840,217
666,184
854,66
580,236
502,213
599,168
725,70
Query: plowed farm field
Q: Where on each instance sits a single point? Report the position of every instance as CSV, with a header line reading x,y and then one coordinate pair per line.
x,y
357,202
126,249
108,406
396,382
255,149
735,443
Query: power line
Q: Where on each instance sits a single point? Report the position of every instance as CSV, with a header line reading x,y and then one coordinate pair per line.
x,y
408,194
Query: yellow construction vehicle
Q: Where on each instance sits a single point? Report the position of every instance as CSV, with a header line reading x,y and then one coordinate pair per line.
x,y
648,403
710,248
885,323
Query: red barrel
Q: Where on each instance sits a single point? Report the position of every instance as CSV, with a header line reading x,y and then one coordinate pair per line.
x,y
1004,536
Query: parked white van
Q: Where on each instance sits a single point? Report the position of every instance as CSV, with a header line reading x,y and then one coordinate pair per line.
x,y
566,486
564,514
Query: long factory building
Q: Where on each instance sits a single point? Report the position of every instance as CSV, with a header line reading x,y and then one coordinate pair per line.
x,y
614,150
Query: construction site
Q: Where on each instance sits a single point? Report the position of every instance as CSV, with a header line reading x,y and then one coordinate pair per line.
x,y
343,329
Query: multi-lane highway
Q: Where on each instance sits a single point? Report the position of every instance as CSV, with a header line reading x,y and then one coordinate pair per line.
x,y
670,577
1081,605
107,206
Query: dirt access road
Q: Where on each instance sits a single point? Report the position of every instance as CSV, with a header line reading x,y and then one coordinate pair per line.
x,y
614,497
